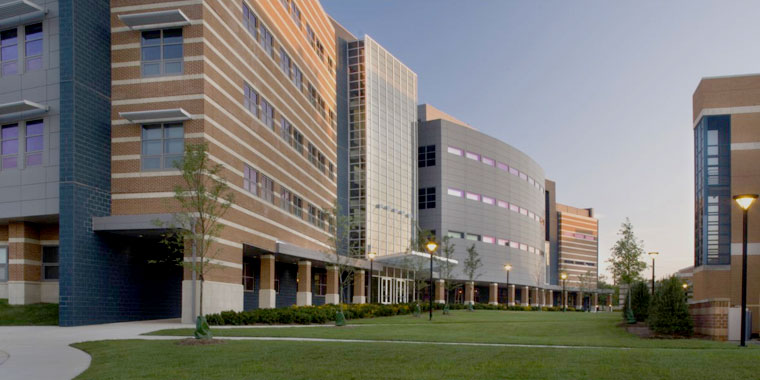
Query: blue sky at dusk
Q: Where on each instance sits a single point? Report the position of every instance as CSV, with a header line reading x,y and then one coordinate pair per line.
x,y
598,92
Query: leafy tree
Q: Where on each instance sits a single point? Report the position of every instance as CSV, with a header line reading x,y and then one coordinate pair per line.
x,y
340,252
447,268
640,301
416,264
203,199
472,264
669,313
626,263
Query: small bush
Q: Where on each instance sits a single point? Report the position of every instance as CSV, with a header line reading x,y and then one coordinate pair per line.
x,y
640,301
669,313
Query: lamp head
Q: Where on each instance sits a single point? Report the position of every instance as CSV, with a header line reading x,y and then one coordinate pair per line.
x,y
431,246
685,285
653,254
508,267
745,200
371,255
563,276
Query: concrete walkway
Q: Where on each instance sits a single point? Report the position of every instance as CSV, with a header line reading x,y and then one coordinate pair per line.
x,y
43,352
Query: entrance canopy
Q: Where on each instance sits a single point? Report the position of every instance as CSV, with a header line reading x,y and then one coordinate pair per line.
x,y
402,259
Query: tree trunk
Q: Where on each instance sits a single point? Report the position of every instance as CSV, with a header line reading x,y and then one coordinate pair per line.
x,y
200,309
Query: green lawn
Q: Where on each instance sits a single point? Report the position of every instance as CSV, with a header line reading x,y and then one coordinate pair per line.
x,y
648,359
28,315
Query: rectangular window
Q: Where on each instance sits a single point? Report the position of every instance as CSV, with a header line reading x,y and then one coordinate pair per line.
x,y
285,130
297,208
247,276
161,52
514,171
502,166
426,156
332,171
33,48
285,63
472,156
250,22
523,176
3,264
49,263
9,146
320,284
455,235
285,199
487,161
321,162
312,214
473,196
312,154
502,242
267,114
9,52
34,142
426,198
297,141
250,180
523,247
297,77
472,237
267,189
514,244
514,208
488,239
251,99
296,14
455,151
523,211
266,40
488,200
162,146
503,204
455,192
310,35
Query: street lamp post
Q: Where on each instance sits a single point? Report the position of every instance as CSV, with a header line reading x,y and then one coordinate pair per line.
x,y
508,268
744,201
431,246
653,255
371,256
563,276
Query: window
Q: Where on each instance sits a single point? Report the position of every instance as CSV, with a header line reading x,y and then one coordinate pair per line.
x,y
488,239
310,35
285,63
455,235
9,146
472,156
161,52
34,142
9,52
267,189
514,244
473,196
285,199
162,145
502,242
502,166
33,48
455,192
297,141
514,208
321,162
250,180
426,156
321,217
514,171
285,130
312,154
250,22
247,276
296,14
503,204
312,214
267,114
455,151
426,198
488,200
49,263
266,40
297,77
332,171
251,99
320,284
297,209
472,237
3,264
487,161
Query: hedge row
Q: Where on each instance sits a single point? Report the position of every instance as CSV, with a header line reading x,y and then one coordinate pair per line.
x,y
304,315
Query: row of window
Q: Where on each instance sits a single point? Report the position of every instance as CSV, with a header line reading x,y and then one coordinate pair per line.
x,y
578,262
263,109
264,37
578,235
318,285
494,202
492,240
11,136
500,165
311,38
263,187
11,49
49,263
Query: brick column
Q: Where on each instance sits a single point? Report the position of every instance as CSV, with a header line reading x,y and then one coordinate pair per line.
x,y
359,284
267,295
333,283
469,293
536,302
579,300
596,301
440,292
525,296
303,297
511,295
493,294
550,297
24,263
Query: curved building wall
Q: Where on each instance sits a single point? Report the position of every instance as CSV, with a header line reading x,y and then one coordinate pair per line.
x,y
489,194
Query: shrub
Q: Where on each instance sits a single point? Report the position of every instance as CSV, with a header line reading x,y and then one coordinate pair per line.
x,y
640,300
669,313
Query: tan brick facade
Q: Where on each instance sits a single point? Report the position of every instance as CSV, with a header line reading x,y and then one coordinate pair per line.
x,y
711,317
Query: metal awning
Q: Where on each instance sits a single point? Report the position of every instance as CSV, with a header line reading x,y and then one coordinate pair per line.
x,y
131,225
156,116
401,259
294,251
19,11
153,20
21,106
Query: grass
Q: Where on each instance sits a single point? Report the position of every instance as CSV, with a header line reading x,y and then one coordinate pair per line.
x,y
648,359
38,314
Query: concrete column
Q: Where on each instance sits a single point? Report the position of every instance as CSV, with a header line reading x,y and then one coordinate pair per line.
x,y
536,302
511,295
267,295
24,264
550,297
525,297
596,300
333,283
493,294
579,300
303,297
359,284
440,292
469,293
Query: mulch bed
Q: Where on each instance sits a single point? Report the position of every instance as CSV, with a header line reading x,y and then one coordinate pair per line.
x,y
199,342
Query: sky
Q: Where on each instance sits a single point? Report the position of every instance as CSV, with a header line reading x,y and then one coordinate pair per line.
x,y
599,93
